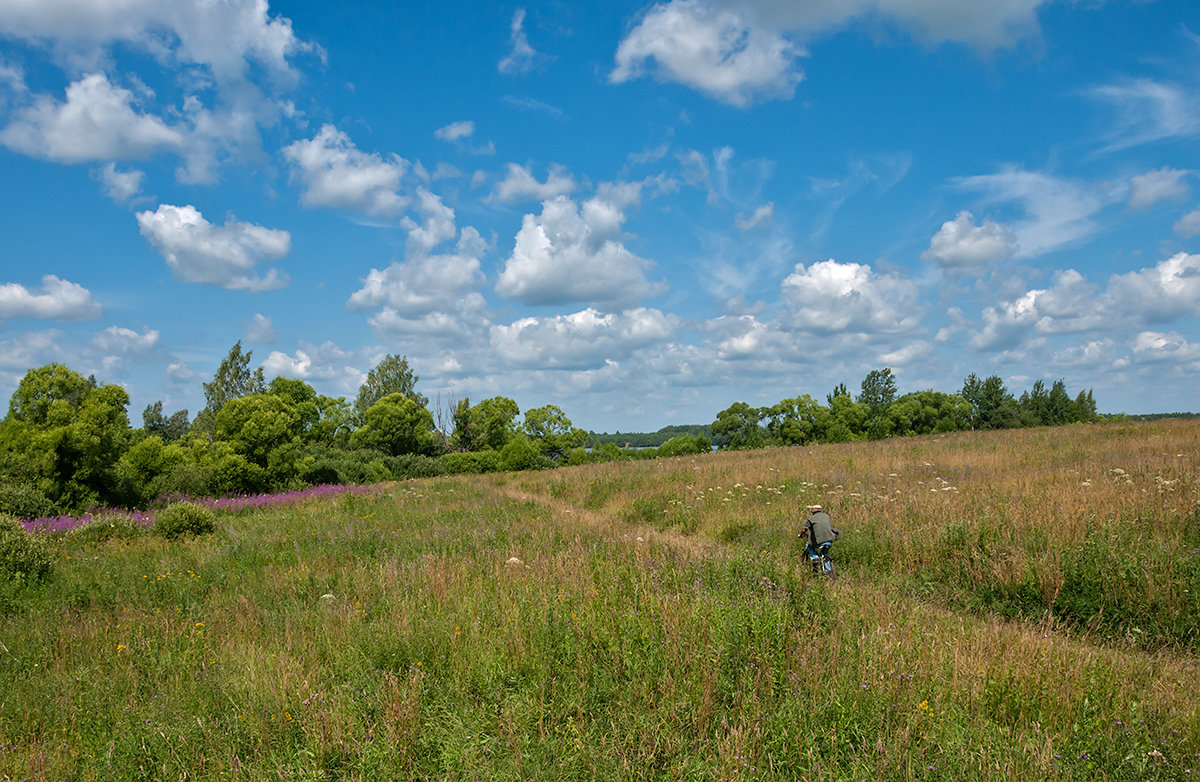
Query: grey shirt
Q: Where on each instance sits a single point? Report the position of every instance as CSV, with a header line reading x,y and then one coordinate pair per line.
x,y
820,529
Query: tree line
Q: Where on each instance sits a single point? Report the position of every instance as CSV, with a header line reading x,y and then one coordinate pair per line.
x,y
67,445
877,411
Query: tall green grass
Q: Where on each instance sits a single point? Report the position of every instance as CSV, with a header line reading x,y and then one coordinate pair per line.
x,y
618,622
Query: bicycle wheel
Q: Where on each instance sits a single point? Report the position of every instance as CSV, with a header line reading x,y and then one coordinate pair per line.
x,y
828,570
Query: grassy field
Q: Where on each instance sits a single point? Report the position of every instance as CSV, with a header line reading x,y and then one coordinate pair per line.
x,y
1019,605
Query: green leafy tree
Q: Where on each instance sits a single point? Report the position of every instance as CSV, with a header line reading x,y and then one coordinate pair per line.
x,y
1085,407
878,392
847,420
838,390
64,435
258,425
140,470
487,425
552,431
396,425
233,379
796,421
1059,406
522,453
992,406
1033,405
48,389
169,428
392,375
737,427
928,412
324,420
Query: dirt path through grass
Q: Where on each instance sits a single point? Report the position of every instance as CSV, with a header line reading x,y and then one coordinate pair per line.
x,y
573,515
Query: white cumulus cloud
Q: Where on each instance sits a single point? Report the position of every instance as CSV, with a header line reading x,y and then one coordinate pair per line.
x,y
436,226
960,244
58,298
1167,347
1155,187
199,251
97,121
713,50
117,339
226,37
1070,305
519,184
458,322
570,253
743,51
335,173
424,283
580,340
326,361
121,186
1168,290
830,296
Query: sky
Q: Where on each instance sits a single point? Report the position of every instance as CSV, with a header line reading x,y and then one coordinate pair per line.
x,y
641,213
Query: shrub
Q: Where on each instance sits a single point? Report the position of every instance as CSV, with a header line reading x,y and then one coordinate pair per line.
x,y
413,465
189,479
521,453
607,452
470,462
684,445
104,528
24,501
23,558
184,517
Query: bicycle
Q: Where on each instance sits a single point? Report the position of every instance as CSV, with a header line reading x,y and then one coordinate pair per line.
x,y
821,562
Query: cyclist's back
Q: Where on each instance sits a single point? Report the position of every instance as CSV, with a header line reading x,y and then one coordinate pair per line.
x,y
821,534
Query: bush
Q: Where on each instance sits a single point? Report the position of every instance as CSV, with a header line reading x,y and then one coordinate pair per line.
x,y
606,452
521,453
105,528
470,462
684,445
23,557
24,501
184,517
189,479
413,465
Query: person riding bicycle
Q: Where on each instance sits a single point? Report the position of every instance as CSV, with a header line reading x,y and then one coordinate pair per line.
x,y
821,534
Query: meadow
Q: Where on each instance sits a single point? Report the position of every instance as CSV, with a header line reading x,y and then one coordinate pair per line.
x,y
1010,605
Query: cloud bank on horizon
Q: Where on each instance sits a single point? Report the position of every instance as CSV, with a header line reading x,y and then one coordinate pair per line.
x,y
640,212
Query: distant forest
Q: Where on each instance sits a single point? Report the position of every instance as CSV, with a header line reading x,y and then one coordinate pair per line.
x,y
648,439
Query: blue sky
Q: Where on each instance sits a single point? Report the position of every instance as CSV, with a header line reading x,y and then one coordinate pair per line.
x,y
639,212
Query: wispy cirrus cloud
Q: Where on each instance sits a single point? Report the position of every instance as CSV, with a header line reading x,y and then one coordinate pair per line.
x,y
1146,111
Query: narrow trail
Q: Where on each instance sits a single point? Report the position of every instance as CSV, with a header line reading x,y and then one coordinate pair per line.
x,y
693,545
